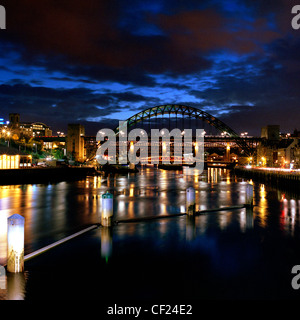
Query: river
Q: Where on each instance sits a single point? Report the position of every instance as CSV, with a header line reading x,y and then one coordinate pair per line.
x,y
242,253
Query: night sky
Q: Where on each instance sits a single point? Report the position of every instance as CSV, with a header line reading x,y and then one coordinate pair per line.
x,y
99,61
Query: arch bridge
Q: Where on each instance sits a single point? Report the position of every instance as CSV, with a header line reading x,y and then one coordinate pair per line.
x,y
191,113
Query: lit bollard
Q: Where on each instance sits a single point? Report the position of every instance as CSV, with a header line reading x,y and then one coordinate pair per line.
x,y
15,243
249,195
2,278
190,201
107,209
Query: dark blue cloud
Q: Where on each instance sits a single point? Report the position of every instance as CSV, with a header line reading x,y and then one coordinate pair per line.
x,y
84,61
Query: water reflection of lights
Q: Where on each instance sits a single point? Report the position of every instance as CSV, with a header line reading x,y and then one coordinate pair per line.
x,y
106,243
191,172
203,200
97,182
16,285
163,194
214,174
181,182
137,195
228,181
196,180
201,223
263,213
4,214
224,219
131,213
121,207
131,190
190,232
46,208
122,181
163,179
163,208
289,213
163,227
246,219
293,214
142,181
262,192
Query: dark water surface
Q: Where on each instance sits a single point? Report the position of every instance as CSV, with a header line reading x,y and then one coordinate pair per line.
x,y
233,254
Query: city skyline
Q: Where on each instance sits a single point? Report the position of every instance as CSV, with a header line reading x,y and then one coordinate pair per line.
x,y
99,62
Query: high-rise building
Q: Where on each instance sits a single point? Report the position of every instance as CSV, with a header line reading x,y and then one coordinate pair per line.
x,y
14,120
75,141
270,132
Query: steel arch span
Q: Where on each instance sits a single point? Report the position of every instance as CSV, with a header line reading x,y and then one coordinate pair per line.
x,y
190,112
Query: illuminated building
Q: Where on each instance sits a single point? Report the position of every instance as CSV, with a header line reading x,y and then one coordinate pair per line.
x,y
34,129
11,158
29,129
75,141
278,151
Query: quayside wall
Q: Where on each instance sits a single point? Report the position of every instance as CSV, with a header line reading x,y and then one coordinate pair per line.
x,y
44,175
276,178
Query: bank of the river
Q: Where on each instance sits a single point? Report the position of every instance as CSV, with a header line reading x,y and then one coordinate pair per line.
x,y
276,178
44,175
111,168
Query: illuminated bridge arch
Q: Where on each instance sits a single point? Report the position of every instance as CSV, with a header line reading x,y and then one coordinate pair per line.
x,y
189,112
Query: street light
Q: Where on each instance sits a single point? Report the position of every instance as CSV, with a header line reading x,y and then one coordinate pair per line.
x,y
7,135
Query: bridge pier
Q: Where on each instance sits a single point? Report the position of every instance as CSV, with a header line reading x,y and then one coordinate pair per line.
x,y
227,158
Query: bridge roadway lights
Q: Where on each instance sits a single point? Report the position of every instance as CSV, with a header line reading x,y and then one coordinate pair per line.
x,y
190,201
107,209
249,195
